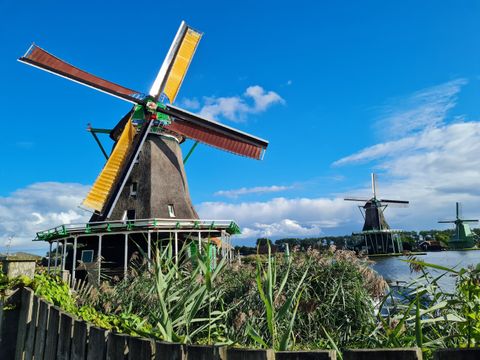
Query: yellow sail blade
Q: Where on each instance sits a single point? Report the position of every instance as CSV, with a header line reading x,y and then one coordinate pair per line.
x,y
181,63
98,194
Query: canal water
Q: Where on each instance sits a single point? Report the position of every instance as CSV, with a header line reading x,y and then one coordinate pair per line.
x,y
394,269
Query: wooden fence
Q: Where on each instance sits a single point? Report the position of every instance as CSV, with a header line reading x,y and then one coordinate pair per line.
x,y
35,329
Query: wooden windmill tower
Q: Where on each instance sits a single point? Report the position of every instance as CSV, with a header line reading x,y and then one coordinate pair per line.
x,y
144,176
463,237
376,235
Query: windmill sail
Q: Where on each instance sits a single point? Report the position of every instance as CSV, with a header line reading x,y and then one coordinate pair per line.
x,y
98,195
215,134
37,57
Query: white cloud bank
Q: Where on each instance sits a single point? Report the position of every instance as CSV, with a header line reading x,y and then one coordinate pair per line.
x,y
37,207
254,100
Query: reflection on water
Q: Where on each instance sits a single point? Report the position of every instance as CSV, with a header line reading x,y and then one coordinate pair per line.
x,y
394,269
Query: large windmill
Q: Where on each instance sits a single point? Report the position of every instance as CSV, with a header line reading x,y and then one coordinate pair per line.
x,y
376,235
142,191
463,237
144,176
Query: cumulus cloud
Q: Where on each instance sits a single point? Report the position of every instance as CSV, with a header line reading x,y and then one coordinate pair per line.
x,y
254,100
282,216
253,190
37,207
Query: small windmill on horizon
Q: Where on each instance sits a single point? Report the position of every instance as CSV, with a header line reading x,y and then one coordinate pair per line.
x,y
463,237
376,235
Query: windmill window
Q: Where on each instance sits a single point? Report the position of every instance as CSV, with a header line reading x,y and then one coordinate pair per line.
x,y
171,210
130,214
87,256
133,189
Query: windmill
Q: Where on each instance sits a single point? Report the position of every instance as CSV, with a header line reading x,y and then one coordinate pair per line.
x,y
144,176
463,237
376,235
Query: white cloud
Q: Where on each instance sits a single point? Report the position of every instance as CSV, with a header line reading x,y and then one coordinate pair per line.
x,y
423,109
254,100
254,190
37,207
283,217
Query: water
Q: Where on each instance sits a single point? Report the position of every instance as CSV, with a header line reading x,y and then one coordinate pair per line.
x,y
393,269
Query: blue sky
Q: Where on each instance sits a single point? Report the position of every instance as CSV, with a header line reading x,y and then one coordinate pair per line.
x,y
349,87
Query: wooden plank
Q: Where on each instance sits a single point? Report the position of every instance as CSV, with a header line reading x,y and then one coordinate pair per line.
x,y
52,334
117,347
41,332
139,348
457,354
23,322
97,344
206,352
9,323
306,355
381,354
64,337
32,329
79,340
250,354
169,351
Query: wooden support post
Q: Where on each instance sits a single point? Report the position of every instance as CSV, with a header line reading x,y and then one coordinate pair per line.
x,y
74,261
176,247
199,242
56,257
125,260
64,254
99,256
49,257
149,247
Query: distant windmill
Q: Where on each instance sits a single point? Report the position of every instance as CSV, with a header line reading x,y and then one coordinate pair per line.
x,y
377,237
463,237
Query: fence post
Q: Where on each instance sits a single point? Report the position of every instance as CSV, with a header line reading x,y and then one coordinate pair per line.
x,y
380,354
97,344
206,352
139,348
79,340
306,355
23,320
250,354
169,351
40,334
116,347
64,337
9,320
31,330
457,354
52,334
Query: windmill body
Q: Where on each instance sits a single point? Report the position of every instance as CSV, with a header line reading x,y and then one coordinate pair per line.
x,y
463,236
376,236
142,190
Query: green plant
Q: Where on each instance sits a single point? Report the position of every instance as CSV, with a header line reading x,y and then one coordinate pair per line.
x,y
280,309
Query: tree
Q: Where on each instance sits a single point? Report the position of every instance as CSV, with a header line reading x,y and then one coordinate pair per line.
x,y
264,242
